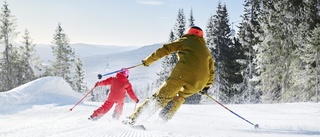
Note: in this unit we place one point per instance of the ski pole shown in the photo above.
(135, 107)
(82, 98)
(99, 77)
(255, 125)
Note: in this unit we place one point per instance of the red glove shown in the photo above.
(137, 100)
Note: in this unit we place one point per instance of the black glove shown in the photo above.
(204, 91)
(99, 76)
(144, 64)
(137, 101)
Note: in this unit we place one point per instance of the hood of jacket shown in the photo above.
(121, 77)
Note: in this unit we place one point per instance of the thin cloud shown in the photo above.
(150, 2)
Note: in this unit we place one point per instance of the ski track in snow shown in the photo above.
(50, 116)
(57, 121)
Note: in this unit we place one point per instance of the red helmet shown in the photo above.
(195, 30)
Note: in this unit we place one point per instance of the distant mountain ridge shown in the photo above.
(102, 59)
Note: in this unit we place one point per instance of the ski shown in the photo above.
(139, 127)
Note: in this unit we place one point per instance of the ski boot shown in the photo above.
(128, 121)
(93, 118)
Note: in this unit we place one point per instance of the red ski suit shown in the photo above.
(119, 86)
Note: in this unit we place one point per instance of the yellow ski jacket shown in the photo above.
(195, 65)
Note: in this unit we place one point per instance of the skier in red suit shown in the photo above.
(119, 86)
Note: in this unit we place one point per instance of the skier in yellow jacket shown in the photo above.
(193, 72)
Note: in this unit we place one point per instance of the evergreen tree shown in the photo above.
(285, 26)
(172, 37)
(10, 58)
(30, 64)
(180, 25)
(238, 65)
(210, 44)
(304, 79)
(191, 19)
(179, 29)
(223, 51)
(310, 78)
(79, 82)
(63, 63)
(249, 32)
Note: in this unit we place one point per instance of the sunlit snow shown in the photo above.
(41, 108)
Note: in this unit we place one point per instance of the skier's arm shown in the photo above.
(131, 93)
(166, 49)
(104, 82)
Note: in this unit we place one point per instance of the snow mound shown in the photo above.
(47, 90)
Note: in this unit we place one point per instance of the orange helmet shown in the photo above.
(195, 30)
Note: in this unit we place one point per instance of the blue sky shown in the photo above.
(112, 22)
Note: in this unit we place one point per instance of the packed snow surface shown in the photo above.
(41, 108)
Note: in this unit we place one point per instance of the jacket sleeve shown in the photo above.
(211, 70)
(166, 49)
(105, 82)
(131, 93)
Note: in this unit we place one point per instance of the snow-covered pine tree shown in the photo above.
(210, 44)
(219, 39)
(285, 26)
(269, 55)
(179, 28)
(191, 19)
(180, 25)
(172, 37)
(64, 57)
(304, 79)
(238, 65)
(30, 64)
(9, 60)
(249, 33)
(309, 79)
(79, 83)
(314, 47)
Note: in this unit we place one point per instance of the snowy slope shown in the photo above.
(41, 109)
(47, 90)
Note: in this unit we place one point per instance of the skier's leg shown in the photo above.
(172, 107)
(160, 99)
(168, 91)
(145, 110)
(117, 111)
(168, 112)
(102, 110)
